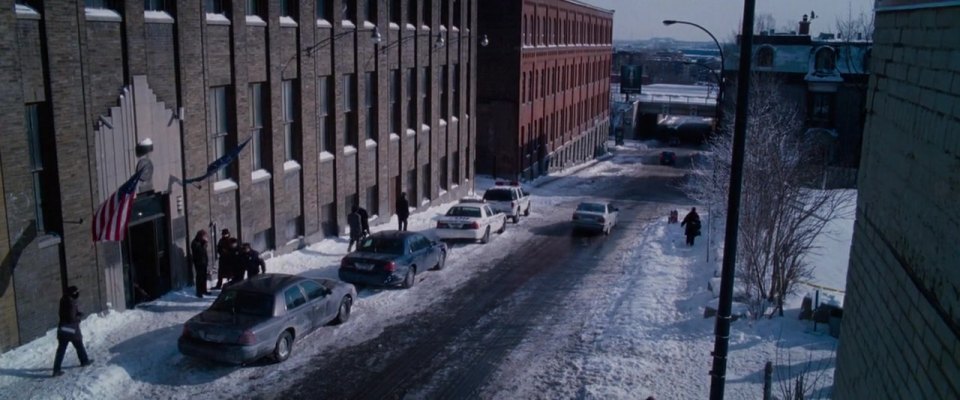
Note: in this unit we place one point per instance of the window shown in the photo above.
(373, 200)
(324, 9)
(444, 167)
(369, 99)
(395, 11)
(347, 11)
(220, 126)
(825, 60)
(456, 167)
(411, 105)
(426, 181)
(523, 31)
(349, 109)
(216, 6)
(313, 289)
(288, 8)
(256, 125)
(424, 94)
(154, 5)
(292, 228)
(469, 99)
(821, 108)
(456, 13)
(444, 98)
(371, 8)
(455, 92)
(43, 151)
(255, 7)
(411, 12)
(324, 111)
(394, 101)
(765, 57)
(294, 297)
(412, 188)
(328, 213)
(427, 12)
(107, 4)
(444, 12)
(290, 137)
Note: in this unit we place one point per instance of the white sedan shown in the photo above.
(595, 216)
(471, 220)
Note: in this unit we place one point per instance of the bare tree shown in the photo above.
(763, 23)
(780, 213)
(855, 27)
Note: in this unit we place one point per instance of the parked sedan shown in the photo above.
(265, 315)
(595, 216)
(471, 220)
(392, 258)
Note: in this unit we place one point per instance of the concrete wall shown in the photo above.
(901, 327)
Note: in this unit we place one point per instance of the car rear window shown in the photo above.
(498, 195)
(591, 207)
(464, 212)
(381, 245)
(243, 302)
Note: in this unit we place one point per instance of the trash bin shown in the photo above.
(836, 315)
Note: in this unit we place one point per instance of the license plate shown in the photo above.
(455, 226)
(211, 337)
(364, 266)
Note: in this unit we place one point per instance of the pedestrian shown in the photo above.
(403, 211)
(364, 221)
(356, 227)
(198, 252)
(68, 331)
(251, 261)
(223, 269)
(692, 223)
(234, 261)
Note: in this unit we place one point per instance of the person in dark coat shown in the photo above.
(692, 223)
(364, 221)
(233, 261)
(354, 221)
(251, 261)
(223, 269)
(198, 250)
(68, 331)
(403, 211)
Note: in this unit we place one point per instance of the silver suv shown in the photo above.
(508, 198)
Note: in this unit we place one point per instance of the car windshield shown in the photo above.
(498, 195)
(591, 207)
(243, 302)
(381, 245)
(464, 212)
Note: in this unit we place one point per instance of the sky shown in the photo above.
(642, 19)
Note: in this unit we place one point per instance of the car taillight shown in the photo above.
(441, 225)
(247, 338)
(390, 266)
(475, 225)
(186, 332)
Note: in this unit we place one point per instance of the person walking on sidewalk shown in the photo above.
(223, 269)
(198, 252)
(692, 223)
(403, 211)
(68, 331)
(356, 227)
(364, 221)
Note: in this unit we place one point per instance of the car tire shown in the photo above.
(526, 213)
(442, 262)
(606, 231)
(284, 346)
(410, 278)
(343, 313)
(486, 236)
(516, 217)
(503, 228)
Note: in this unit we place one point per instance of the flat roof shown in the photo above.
(591, 6)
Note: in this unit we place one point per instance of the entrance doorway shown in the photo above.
(146, 264)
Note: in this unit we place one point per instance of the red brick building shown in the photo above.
(543, 85)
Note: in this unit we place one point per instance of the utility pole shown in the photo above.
(722, 340)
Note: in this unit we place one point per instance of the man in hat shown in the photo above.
(68, 331)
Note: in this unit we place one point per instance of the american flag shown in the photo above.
(110, 221)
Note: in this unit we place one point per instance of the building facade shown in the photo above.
(900, 337)
(338, 102)
(825, 77)
(544, 99)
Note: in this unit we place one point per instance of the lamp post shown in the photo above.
(719, 111)
(721, 343)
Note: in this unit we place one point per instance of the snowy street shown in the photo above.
(539, 312)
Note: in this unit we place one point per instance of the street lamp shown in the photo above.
(719, 111)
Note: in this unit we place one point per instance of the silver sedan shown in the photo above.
(595, 216)
(263, 316)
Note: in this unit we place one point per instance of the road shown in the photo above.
(541, 293)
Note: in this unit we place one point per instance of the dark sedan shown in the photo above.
(392, 258)
(263, 316)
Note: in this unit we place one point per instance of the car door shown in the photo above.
(490, 219)
(297, 313)
(318, 303)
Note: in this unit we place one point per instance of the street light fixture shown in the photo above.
(720, 91)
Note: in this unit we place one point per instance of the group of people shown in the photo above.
(359, 220)
(235, 261)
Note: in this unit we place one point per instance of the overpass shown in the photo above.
(670, 99)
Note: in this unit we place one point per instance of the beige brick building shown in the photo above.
(901, 330)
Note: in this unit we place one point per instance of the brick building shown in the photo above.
(543, 97)
(900, 337)
(825, 76)
(343, 101)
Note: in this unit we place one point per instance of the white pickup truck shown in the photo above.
(508, 198)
